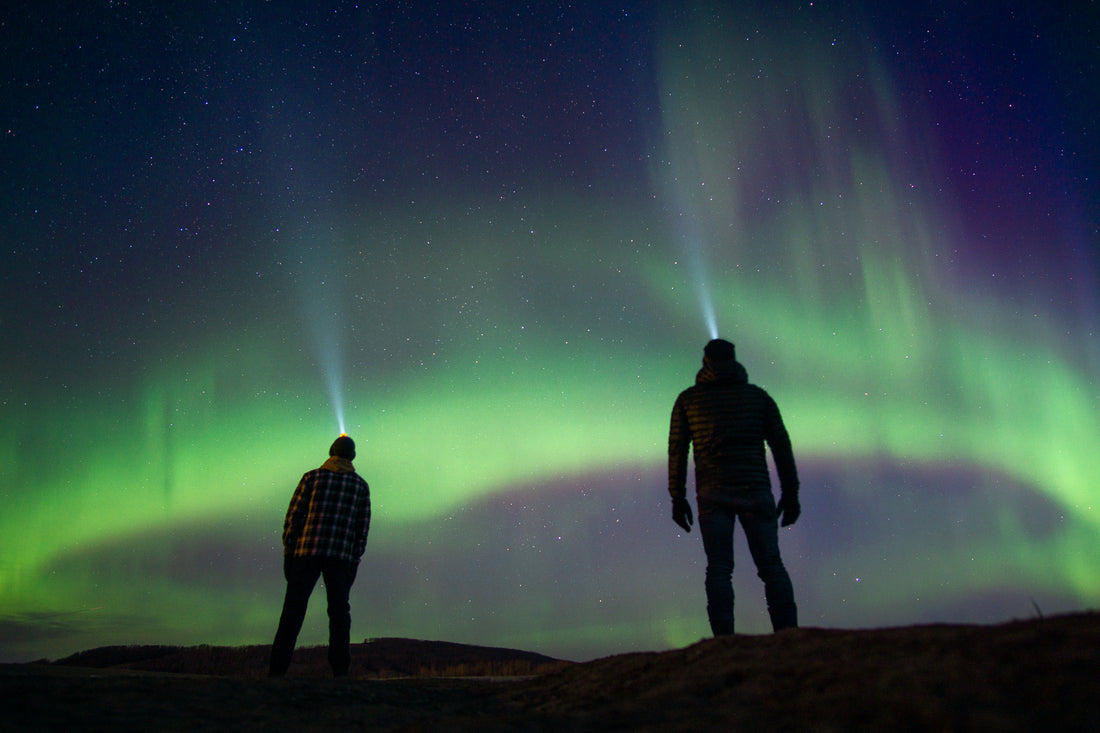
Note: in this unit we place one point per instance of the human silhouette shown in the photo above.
(324, 534)
(726, 422)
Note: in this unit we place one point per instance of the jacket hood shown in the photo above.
(714, 372)
(336, 464)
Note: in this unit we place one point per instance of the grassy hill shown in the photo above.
(1036, 675)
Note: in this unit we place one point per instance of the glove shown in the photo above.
(681, 513)
(788, 509)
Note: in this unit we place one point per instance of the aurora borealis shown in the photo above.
(485, 239)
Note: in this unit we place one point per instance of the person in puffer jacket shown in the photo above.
(727, 421)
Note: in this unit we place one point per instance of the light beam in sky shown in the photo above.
(318, 275)
(327, 338)
(685, 212)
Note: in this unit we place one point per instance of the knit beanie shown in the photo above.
(344, 447)
(719, 350)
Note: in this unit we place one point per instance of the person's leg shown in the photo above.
(716, 527)
(762, 532)
(339, 575)
(301, 575)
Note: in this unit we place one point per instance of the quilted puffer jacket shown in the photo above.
(727, 421)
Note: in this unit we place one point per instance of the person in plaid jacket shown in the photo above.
(324, 534)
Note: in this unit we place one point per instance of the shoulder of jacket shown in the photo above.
(685, 397)
(764, 397)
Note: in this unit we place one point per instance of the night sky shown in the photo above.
(489, 240)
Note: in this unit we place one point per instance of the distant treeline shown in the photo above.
(375, 658)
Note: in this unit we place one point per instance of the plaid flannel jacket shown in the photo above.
(329, 515)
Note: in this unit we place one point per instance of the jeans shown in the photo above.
(301, 576)
(761, 528)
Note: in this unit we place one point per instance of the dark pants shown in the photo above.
(762, 532)
(301, 576)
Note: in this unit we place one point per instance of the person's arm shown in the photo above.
(362, 522)
(679, 442)
(779, 441)
(296, 515)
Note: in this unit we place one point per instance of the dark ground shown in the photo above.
(1042, 674)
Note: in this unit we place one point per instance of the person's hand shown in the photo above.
(788, 509)
(681, 513)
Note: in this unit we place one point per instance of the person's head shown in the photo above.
(719, 351)
(343, 447)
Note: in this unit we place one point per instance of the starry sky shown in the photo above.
(489, 240)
